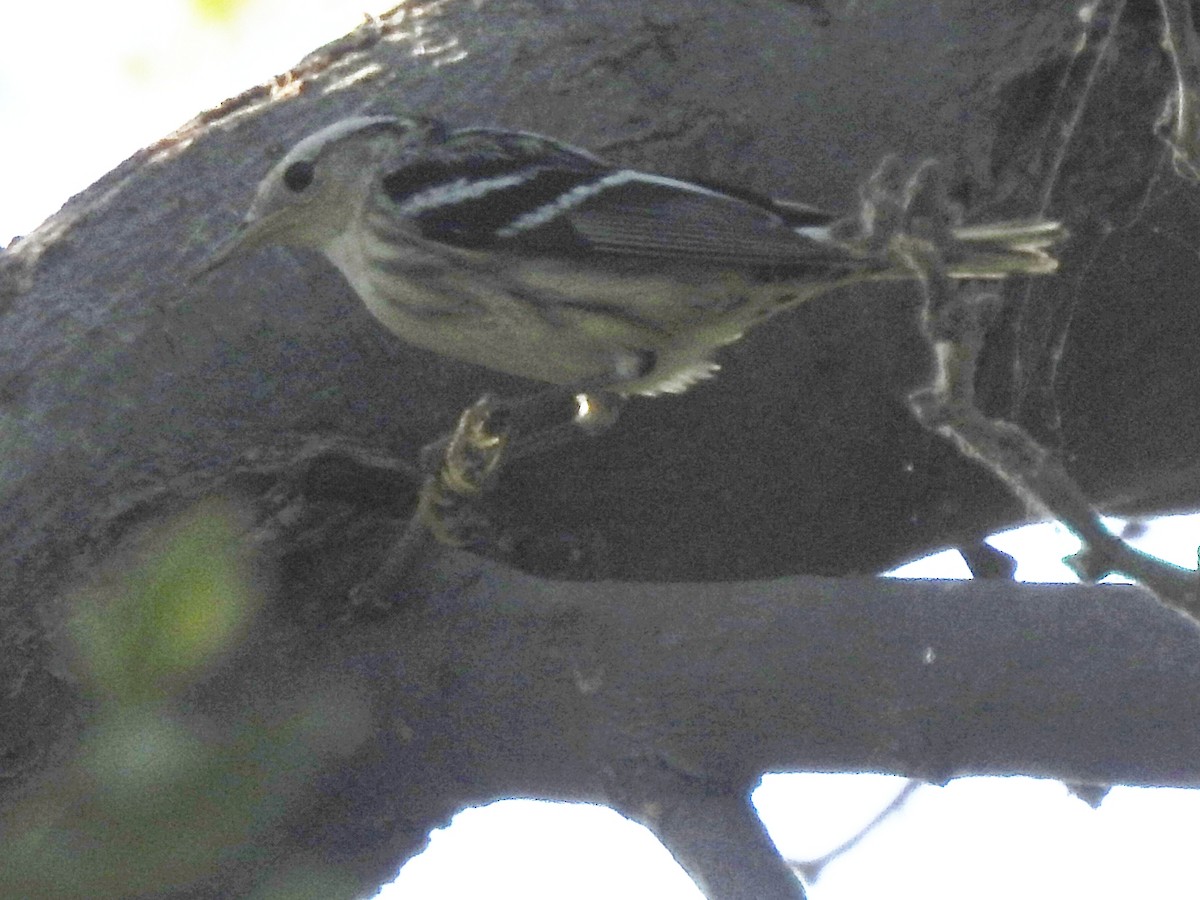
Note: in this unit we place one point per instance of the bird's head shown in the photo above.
(311, 195)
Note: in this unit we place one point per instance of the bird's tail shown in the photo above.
(999, 249)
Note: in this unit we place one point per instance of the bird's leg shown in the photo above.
(465, 465)
(538, 423)
(548, 420)
(462, 467)
(459, 468)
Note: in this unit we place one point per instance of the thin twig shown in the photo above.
(810, 870)
(1183, 107)
(952, 322)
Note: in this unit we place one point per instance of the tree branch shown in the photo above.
(348, 733)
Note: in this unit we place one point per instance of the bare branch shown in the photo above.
(811, 869)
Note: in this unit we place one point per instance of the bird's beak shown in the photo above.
(219, 255)
(248, 236)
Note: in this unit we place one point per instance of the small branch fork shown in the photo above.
(1180, 120)
(810, 870)
(711, 829)
(953, 322)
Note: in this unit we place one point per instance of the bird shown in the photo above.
(532, 257)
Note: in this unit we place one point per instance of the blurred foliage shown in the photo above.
(156, 797)
(218, 11)
(175, 614)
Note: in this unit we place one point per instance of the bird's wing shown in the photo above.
(630, 213)
(530, 194)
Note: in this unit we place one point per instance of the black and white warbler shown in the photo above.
(528, 256)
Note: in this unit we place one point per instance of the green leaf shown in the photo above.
(186, 603)
(218, 11)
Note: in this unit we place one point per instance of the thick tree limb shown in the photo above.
(336, 736)
(487, 683)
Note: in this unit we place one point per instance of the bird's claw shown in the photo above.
(466, 464)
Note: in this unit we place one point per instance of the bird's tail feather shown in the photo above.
(997, 249)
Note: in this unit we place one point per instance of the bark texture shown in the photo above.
(630, 650)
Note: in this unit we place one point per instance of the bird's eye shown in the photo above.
(298, 176)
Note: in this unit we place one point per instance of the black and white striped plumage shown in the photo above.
(528, 256)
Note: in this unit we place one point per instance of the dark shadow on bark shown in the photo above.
(646, 640)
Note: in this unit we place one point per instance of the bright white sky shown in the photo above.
(86, 84)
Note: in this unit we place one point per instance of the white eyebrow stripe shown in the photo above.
(452, 192)
(578, 195)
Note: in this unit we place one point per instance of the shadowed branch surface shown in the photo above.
(652, 639)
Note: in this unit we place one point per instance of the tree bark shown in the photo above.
(642, 658)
